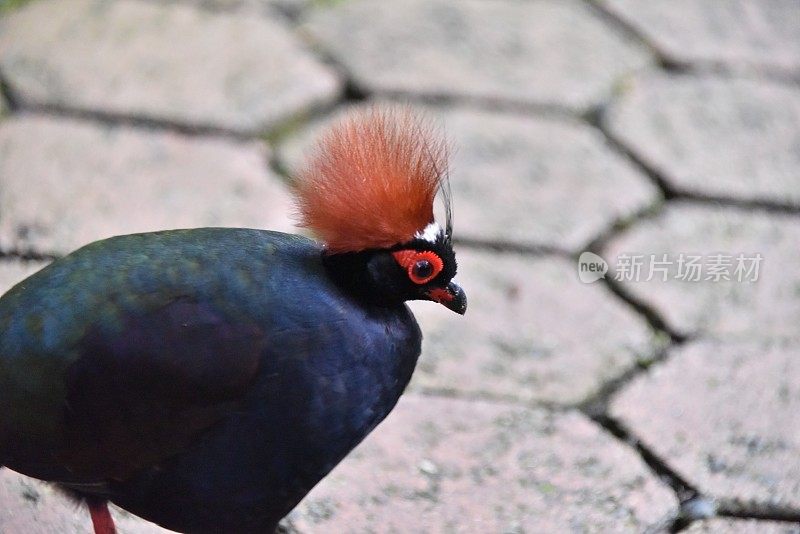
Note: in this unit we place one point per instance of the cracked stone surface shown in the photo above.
(67, 183)
(725, 416)
(725, 137)
(738, 34)
(516, 470)
(762, 309)
(546, 53)
(223, 70)
(533, 331)
(742, 526)
(32, 507)
(512, 176)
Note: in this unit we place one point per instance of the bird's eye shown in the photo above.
(422, 267)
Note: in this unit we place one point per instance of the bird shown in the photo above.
(207, 379)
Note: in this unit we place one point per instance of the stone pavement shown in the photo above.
(663, 400)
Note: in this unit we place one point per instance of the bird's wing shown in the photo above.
(147, 385)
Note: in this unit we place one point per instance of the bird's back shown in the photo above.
(186, 370)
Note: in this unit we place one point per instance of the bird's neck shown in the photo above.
(363, 275)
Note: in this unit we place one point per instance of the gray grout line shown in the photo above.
(161, 126)
(694, 505)
(116, 120)
(701, 67)
(292, 17)
(28, 255)
(113, 120)
(266, 9)
(762, 205)
(719, 69)
(483, 103)
(597, 404)
(624, 29)
(286, 128)
(597, 245)
(672, 193)
(665, 524)
(686, 493)
(595, 119)
(621, 225)
(684, 490)
(278, 168)
(287, 526)
(755, 511)
(7, 94)
(597, 410)
(353, 91)
(648, 312)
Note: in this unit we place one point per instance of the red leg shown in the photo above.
(101, 518)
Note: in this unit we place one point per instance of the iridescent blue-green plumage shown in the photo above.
(203, 379)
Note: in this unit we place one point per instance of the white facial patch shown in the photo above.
(429, 233)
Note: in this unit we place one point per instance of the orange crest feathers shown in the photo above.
(372, 181)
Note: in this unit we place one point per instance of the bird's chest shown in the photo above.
(323, 394)
(339, 387)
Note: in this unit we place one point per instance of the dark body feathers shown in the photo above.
(185, 376)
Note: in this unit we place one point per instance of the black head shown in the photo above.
(420, 269)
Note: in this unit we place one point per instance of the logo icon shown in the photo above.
(591, 267)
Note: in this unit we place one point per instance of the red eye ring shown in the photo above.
(409, 260)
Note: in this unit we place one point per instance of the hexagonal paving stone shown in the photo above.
(533, 331)
(739, 34)
(31, 507)
(723, 137)
(445, 465)
(742, 526)
(13, 271)
(731, 309)
(66, 183)
(512, 177)
(725, 416)
(169, 62)
(547, 53)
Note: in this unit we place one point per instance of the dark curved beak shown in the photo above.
(452, 297)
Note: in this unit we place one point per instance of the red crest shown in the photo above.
(372, 180)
